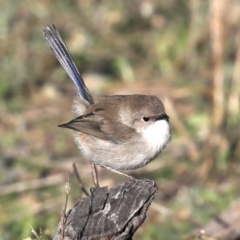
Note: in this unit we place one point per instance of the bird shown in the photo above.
(117, 132)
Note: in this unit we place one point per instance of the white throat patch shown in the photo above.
(157, 135)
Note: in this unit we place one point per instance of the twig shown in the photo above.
(80, 183)
(35, 233)
(217, 39)
(234, 96)
(31, 184)
(64, 215)
(175, 119)
(216, 143)
(95, 177)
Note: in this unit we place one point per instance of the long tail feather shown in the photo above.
(64, 57)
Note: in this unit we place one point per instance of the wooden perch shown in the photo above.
(108, 214)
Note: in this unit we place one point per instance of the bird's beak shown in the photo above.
(162, 117)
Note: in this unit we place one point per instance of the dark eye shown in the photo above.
(146, 119)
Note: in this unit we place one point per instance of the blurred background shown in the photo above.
(185, 52)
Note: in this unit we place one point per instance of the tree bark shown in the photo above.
(108, 214)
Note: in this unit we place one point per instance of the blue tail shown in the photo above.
(64, 57)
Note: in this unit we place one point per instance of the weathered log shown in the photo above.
(108, 214)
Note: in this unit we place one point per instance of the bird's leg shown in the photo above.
(121, 173)
(95, 177)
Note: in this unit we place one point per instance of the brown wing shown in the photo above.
(100, 127)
